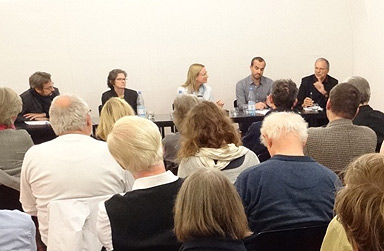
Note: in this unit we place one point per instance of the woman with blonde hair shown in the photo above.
(13, 146)
(359, 208)
(197, 77)
(210, 141)
(113, 110)
(182, 104)
(208, 213)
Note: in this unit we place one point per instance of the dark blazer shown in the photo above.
(35, 103)
(307, 87)
(129, 95)
(373, 119)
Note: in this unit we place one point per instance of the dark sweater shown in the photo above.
(213, 244)
(287, 191)
(129, 95)
(143, 219)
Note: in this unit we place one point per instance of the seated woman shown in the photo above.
(221, 225)
(210, 141)
(13, 146)
(113, 110)
(359, 207)
(196, 78)
(117, 82)
(171, 142)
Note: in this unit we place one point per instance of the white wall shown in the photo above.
(79, 42)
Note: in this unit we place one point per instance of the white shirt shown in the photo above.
(204, 92)
(104, 226)
(70, 166)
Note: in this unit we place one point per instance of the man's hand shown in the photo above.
(308, 102)
(35, 116)
(261, 106)
(320, 87)
(220, 103)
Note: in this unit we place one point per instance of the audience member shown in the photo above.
(13, 145)
(17, 231)
(74, 165)
(290, 189)
(209, 214)
(316, 87)
(282, 98)
(141, 219)
(113, 109)
(359, 207)
(38, 98)
(262, 85)
(366, 116)
(213, 143)
(335, 145)
(117, 82)
(171, 142)
(196, 78)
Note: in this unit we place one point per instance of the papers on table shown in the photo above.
(37, 122)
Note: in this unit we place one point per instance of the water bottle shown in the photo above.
(251, 102)
(140, 105)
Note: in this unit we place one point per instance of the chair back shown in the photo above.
(72, 224)
(294, 239)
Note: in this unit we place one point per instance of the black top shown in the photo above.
(213, 244)
(373, 119)
(33, 102)
(143, 219)
(129, 95)
(307, 87)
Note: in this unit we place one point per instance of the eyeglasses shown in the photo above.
(49, 87)
(121, 79)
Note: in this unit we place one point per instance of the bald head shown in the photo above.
(70, 114)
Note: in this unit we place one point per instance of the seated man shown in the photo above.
(17, 231)
(282, 98)
(367, 116)
(262, 85)
(73, 165)
(38, 99)
(316, 87)
(335, 145)
(290, 189)
(141, 219)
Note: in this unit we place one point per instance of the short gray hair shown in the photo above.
(283, 122)
(135, 143)
(10, 105)
(362, 85)
(182, 104)
(68, 113)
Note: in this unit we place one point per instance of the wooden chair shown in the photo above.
(294, 239)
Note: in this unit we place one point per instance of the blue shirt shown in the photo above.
(17, 231)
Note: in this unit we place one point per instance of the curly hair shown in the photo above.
(206, 125)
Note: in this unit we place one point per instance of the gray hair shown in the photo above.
(325, 61)
(135, 143)
(10, 105)
(283, 122)
(362, 85)
(68, 113)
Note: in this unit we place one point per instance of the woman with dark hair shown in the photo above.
(117, 82)
(210, 141)
(208, 213)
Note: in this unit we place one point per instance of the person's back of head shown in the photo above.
(136, 144)
(182, 105)
(284, 94)
(362, 85)
(70, 114)
(360, 204)
(206, 125)
(208, 206)
(10, 106)
(344, 100)
(284, 132)
(114, 109)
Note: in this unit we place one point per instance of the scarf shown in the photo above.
(4, 127)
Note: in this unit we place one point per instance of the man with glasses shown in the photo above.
(38, 98)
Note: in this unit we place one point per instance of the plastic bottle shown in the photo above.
(251, 102)
(140, 105)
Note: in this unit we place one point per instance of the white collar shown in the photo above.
(155, 180)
